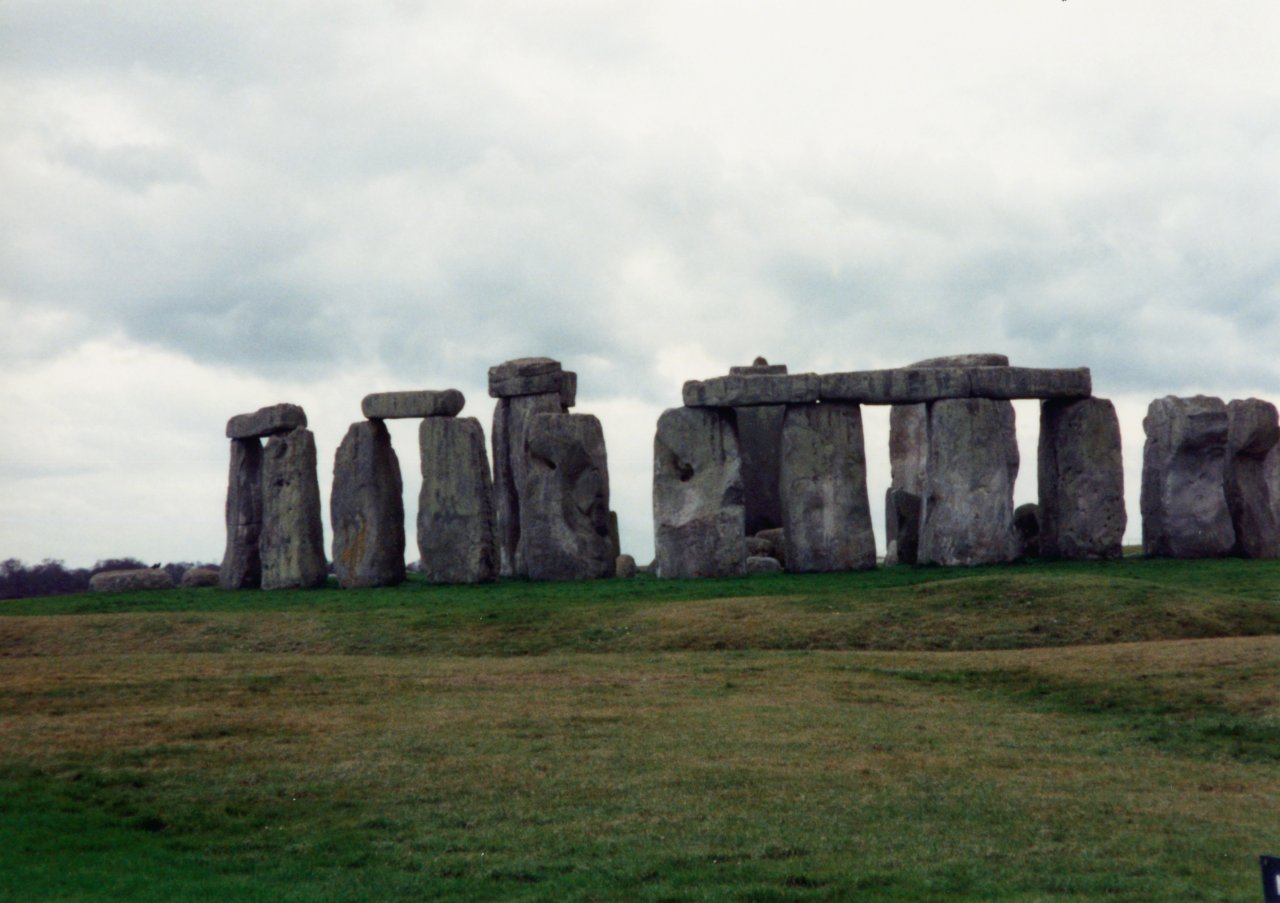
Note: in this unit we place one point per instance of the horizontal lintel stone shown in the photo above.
(415, 404)
(759, 370)
(525, 376)
(269, 421)
(902, 385)
(735, 391)
(1030, 382)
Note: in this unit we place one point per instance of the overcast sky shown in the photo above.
(214, 206)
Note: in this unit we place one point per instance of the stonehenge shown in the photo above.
(291, 544)
(699, 519)
(366, 508)
(274, 534)
(1184, 501)
(1081, 482)
(826, 518)
(565, 524)
(760, 470)
(457, 537)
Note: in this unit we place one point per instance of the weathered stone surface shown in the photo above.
(1271, 474)
(241, 562)
(1184, 504)
(759, 431)
(910, 385)
(757, 546)
(457, 538)
(964, 360)
(198, 577)
(967, 514)
(511, 418)
(292, 540)
(898, 386)
(1027, 382)
(776, 537)
(568, 389)
(270, 421)
(739, 391)
(763, 564)
(533, 376)
(823, 482)
(1081, 480)
(128, 581)
(698, 513)
(908, 447)
(1252, 433)
(615, 539)
(1026, 525)
(564, 509)
(407, 405)
(624, 567)
(902, 526)
(366, 509)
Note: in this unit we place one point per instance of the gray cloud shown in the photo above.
(416, 191)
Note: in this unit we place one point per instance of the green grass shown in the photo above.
(1041, 732)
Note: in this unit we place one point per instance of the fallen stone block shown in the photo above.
(130, 580)
(198, 576)
(762, 564)
(408, 405)
(264, 422)
(625, 567)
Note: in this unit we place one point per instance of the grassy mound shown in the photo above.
(1035, 732)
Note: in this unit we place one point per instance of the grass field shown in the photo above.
(1033, 732)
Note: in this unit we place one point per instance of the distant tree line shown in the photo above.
(51, 578)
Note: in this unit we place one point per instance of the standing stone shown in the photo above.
(1081, 480)
(698, 514)
(456, 535)
(759, 430)
(366, 509)
(1253, 431)
(825, 512)
(241, 563)
(909, 458)
(760, 444)
(902, 526)
(968, 499)
(292, 542)
(564, 508)
(1184, 503)
(511, 418)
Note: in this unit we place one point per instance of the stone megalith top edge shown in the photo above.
(268, 421)
(963, 360)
